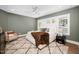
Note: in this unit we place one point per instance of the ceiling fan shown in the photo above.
(35, 10)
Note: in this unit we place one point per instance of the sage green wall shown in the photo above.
(17, 23)
(74, 21)
(21, 24)
(3, 20)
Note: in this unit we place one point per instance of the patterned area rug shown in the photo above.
(23, 46)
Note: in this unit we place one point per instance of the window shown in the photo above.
(61, 23)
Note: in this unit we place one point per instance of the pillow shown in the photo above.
(44, 29)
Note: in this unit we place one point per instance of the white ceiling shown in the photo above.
(27, 10)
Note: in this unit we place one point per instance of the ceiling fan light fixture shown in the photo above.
(35, 10)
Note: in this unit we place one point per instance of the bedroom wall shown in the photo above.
(74, 22)
(17, 23)
(21, 24)
(3, 20)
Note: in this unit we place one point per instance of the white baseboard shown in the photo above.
(73, 42)
(22, 35)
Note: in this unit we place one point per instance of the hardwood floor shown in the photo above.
(73, 49)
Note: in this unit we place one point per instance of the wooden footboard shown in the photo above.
(41, 38)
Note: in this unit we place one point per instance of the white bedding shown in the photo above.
(29, 37)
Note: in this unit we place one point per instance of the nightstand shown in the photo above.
(60, 39)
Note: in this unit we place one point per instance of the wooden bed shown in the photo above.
(41, 38)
